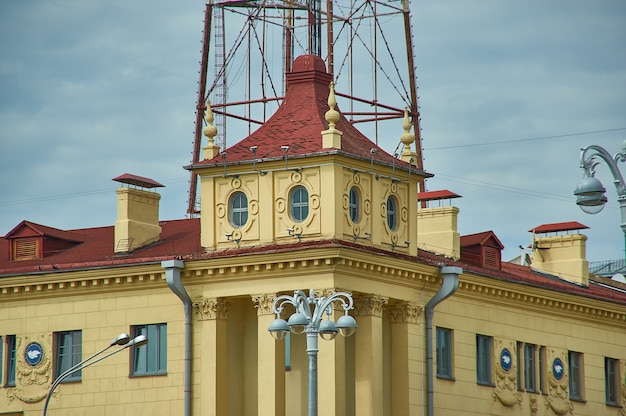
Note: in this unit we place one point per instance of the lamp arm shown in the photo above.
(83, 364)
(589, 163)
(326, 304)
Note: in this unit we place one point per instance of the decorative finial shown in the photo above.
(407, 138)
(210, 130)
(332, 115)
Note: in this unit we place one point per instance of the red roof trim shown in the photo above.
(137, 180)
(440, 194)
(559, 226)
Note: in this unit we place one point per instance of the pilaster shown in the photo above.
(368, 354)
(212, 314)
(405, 382)
(270, 360)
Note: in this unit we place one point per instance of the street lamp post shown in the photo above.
(308, 318)
(590, 192)
(122, 340)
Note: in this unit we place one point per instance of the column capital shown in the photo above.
(263, 303)
(211, 308)
(369, 305)
(405, 312)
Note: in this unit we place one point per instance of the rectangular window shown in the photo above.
(444, 352)
(530, 365)
(150, 359)
(576, 375)
(484, 351)
(68, 353)
(611, 380)
(10, 376)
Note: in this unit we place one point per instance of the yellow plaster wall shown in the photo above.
(555, 326)
(437, 231)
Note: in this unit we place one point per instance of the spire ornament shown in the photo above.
(331, 138)
(407, 139)
(332, 115)
(211, 150)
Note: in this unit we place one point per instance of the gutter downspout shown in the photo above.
(172, 277)
(448, 287)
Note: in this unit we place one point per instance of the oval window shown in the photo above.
(299, 203)
(392, 213)
(353, 205)
(238, 209)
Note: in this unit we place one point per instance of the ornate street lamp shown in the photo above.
(122, 340)
(308, 317)
(589, 193)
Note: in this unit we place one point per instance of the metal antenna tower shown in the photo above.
(367, 46)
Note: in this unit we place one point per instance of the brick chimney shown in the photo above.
(137, 222)
(437, 226)
(560, 250)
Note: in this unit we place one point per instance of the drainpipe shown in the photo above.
(450, 284)
(172, 277)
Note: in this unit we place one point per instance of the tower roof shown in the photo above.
(299, 121)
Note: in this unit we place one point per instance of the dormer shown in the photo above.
(29, 241)
(560, 249)
(482, 249)
(307, 174)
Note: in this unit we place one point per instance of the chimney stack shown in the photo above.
(563, 255)
(437, 226)
(137, 222)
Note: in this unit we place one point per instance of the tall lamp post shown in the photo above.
(122, 340)
(308, 318)
(590, 192)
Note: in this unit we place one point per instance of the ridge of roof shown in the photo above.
(44, 230)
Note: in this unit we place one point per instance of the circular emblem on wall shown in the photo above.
(557, 368)
(33, 354)
(505, 359)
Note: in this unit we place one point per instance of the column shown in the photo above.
(369, 355)
(213, 312)
(406, 357)
(270, 361)
(332, 369)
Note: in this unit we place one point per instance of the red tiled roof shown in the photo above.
(558, 226)
(178, 238)
(299, 121)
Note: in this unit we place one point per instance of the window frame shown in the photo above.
(576, 371)
(611, 381)
(484, 360)
(74, 344)
(238, 213)
(444, 341)
(530, 368)
(11, 363)
(157, 347)
(299, 210)
(392, 213)
(354, 204)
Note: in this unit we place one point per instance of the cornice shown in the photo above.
(538, 299)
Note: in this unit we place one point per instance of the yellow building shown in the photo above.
(444, 326)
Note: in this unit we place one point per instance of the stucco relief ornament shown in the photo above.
(506, 377)
(33, 371)
(558, 394)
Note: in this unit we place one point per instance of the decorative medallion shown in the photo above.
(505, 359)
(557, 368)
(33, 353)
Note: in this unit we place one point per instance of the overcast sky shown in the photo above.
(509, 93)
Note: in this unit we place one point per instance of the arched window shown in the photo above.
(238, 209)
(299, 203)
(392, 213)
(354, 204)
